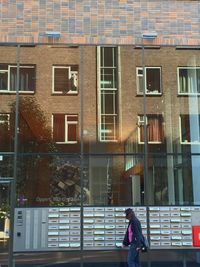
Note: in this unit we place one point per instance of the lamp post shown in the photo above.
(145, 36)
(149, 36)
(11, 262)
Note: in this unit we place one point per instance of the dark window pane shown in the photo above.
(153, 80)
(3, 80)
(66, 79)
(59, 127)
(61, 80)
(108, 78)
(72, 135)
(26, 79)
(108, 56)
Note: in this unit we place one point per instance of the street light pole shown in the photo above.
(11, 262)
(148, 36)
(145, 36)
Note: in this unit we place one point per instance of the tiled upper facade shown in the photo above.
(177, 22)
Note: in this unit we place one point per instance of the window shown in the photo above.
(65, 79)
(8, 78)
(4, 127)
(189, 128)
(152, 80)
(188, 80)
(65, 128)
(108, 94)
(155, 131)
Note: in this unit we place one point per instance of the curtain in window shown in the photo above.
(155, 132)
(154, 129)
(26, 79)
(189, 80)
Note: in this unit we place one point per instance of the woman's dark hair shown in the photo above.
(128, 211)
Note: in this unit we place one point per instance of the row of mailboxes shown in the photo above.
(44, 229)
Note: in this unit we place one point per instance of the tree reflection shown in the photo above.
(34, 138)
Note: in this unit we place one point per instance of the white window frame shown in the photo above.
(178, 81)
(141, 75)
(8, 81)
(66, 126)
(141, 123)
(70, 73)
(67, 123)
(180, 134)
(101, 131)
(104, 131)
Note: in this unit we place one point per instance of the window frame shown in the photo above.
(106, 135)
(8, 70)
(140, 123)
(180, 131)
(178, 80)
(66, 128)
(69, 73)
(141, 75)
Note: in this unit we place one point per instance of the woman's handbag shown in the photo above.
(145, 243)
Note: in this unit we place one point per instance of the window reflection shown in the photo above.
(8, 78)
(107, 131)
(189, 80)
(190, 127)
(65, 128)
(152, 80)
(108, 101)
(65, 79)
(155, 131)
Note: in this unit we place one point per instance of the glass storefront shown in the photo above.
(102, 126)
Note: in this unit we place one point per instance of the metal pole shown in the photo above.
(146, 195)
(146, 188)
(82, 149)
(11, 262)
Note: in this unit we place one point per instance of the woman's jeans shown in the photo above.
(133, 256)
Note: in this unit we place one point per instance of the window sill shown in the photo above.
(108, 141)
(188, 94)
(149, 94)
(190, 143)
(20, 92)
(67, 143)
(151, 143)
(64, 94)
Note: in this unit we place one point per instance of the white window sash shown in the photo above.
(71, 74)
